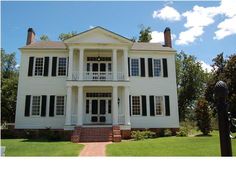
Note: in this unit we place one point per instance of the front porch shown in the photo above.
(97, 106)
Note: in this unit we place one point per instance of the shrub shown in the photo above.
(140, 135)
(183, 131)
(167, 132)
(203, 116)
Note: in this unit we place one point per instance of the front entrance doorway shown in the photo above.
(98, 108)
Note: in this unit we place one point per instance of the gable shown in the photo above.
(98, 35)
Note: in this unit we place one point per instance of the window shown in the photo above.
(157, 67)
(109, 106)
(158, 105)
(62, 67)
(135, 105)
(38, 68)
(135, 67)
(60, 105)
(35, 105)
(87, 106)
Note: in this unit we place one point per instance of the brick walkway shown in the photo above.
(94, 149)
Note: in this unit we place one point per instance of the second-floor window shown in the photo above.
(62, 65)
(38, 68)
(156, 67)
(135, 67)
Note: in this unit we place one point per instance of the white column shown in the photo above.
(125, 64)
(115, 105)
(68, 106)
(126, 105)
(80, 106)
(70, 71)
(81, 63)
(114, 64)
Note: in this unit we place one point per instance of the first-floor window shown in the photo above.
(159, 105)
(38, 68)
(36, 105)
(60, 105)
(62, 67)
(135, 105)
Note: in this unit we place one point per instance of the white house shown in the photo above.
(97, 83)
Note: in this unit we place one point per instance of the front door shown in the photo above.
(98, 110)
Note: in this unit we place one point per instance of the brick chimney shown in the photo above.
(30, 36)
(167, 37)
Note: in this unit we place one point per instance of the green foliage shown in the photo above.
(167, 132)
(9, 83)
(225, 70)
(44, 37)
(191, 79)
(183, 132)
(145, 34)
(140, 135)
(64, 36)
(186, 127)
(203, 116)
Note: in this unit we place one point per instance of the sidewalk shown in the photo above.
(94, 149)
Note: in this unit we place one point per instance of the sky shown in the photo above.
(200, 28)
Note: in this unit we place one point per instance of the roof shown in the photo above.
(46, 45)
(145, 46)
(101, 28)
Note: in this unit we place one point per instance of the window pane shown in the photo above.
(87, 106)
(157, 67)
(159, 105)
(135, 105)
(62, 67)
(60, 105)
(36, 106)
(38, 71)
(134, 67)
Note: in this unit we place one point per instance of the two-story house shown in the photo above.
(97, 83)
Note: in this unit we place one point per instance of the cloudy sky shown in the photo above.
(200, 28)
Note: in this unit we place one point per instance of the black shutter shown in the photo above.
(46, 65)
(43, 105)
(165, 69)
(167, 105)
(51, 107)
(130, 105)
(142, 63)
(150, 71)
(27, 105)
(129, 66)
(31, 65)
(144, 106)
(152, 110)
(54, 66)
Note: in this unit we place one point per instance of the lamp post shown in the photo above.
(221, 93)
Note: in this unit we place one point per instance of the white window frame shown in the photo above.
(131, 74)
(40, 103)
(140, 106)
(35, 66)
(58, 58)
(163, 106)
(153, 68)
(55, 106)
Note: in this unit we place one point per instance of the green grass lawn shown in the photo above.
(170, 146)
(24, 147)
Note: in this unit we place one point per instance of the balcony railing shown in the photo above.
(97, 76)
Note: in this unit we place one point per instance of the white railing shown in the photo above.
(97, 76)
(121, 119)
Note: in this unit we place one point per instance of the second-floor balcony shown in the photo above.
(98, 76)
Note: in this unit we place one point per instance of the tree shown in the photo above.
(224, 70)
(9, 82)
(64, 36)
(191, 79)
(145, 34)
(203, 117)
(44, 37)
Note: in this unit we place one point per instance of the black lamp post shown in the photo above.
(221, 93)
